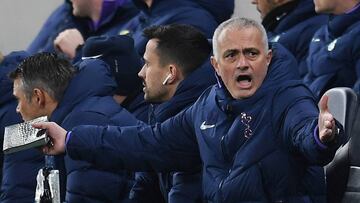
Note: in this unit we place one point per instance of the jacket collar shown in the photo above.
(338, 24)
(186, 93)
(273, 18)
(82, 86)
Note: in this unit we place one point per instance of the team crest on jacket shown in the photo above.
(246, 119)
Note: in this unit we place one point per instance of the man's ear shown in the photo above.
(39, 97)
(174, 74)
(269, 57)
(215, 64)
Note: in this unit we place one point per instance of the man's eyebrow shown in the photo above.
(230, 51)
(251, 49)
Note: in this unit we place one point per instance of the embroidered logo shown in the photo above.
(203, 126)
(331, 46)
(275, 39)
(124, 32)
(246, 119)
(315, 40)
(91, 57)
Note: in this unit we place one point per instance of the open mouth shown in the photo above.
(244, 81)
(243, 78)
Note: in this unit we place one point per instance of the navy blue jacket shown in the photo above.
(88, 102)
(164, 12)
(137, 106)
(18, 168)
(334, 55)
(251, 150)
(293, 25)
(177, 186)
(113, 18)
(59, 20)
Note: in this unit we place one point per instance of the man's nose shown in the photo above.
(141, 73)
(242, 62)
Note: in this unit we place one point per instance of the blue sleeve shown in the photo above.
(163, 147)
(299, 121)
(59, 20)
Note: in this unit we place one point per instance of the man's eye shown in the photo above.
(230, 55)
(252, 54)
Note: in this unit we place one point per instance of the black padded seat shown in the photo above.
(341, 176)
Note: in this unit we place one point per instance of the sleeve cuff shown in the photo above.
(67, 137)
(317, 140)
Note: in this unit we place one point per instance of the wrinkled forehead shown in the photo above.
(240, 38)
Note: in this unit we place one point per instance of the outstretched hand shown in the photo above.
(57, 136)
(326, 123)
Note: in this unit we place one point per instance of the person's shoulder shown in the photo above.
(354, 30)
(89, 64)
(104, 105)
(207, 98)
(283, 64)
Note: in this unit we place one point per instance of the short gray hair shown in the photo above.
(237, 23)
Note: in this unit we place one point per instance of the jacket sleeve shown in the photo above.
(298, 124)
(163, 147)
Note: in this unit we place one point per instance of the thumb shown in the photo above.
(323, 104)
(41, 125)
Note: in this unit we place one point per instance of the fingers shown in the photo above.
(45, 125)
(41, 125)
(326, 121)
(329, 123)
(45, 150)
(57, 136)
(327, 135)
(57, 44)
(327, 130)
(67, 42)
(48, 151)
(323, 104)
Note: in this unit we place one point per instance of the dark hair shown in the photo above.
(183, 45)
(46, 71)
